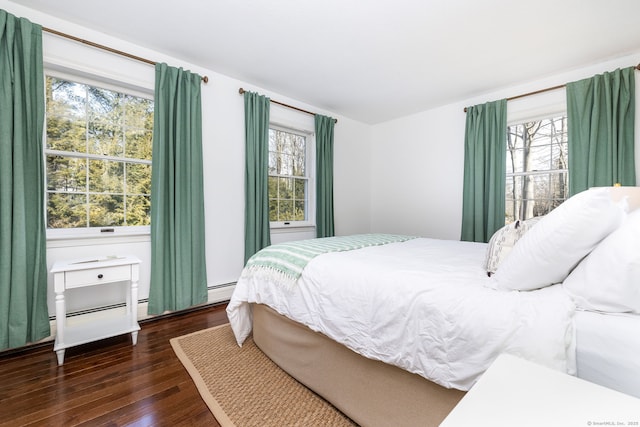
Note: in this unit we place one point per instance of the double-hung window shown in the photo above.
(537, 167)
(98, 156)
(290, 177)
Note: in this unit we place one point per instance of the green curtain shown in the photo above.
(324, 176)
(23, 267)
(601, 114)
(178, 262)
(256, 220)
(484, 171)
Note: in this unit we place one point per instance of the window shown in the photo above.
(289, 177)
(98, 156)
(537, 179)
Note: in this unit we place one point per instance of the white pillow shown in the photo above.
(609, 278)
(550, 250)
(503, 241)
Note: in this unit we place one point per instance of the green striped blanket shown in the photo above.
(283, 263)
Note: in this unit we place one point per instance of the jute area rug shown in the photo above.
(244, 388)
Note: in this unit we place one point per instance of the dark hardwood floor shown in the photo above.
(108, 382)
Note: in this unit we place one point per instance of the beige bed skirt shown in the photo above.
(370, 392)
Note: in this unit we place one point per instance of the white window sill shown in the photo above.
(280, 228)
(57, 239)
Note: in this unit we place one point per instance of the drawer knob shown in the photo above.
(100, 276)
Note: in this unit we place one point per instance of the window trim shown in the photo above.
(310, 168)
(103, 83)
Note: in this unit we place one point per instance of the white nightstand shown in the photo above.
(516, 392)
(83, 273)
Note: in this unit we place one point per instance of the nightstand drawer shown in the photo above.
(94, 276)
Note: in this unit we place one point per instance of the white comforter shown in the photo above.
(421, 305)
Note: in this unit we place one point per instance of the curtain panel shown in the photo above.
(178, 261)
(601, 115)
(483, 196)
(23, 268)
(324, 176)
(257, 234)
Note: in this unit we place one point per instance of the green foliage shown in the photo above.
(85, 123)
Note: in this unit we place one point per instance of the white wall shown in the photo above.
(223, 152)
(417, 161)
(403, 176)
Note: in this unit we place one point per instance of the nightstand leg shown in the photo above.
(60, 354)
(134, 337)
(61, 320)
(133, 306)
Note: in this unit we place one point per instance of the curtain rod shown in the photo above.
(241, 91)
(107, 48)
(637, 67)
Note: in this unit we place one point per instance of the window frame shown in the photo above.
(519, 122)
(309, 175)
(102, 83)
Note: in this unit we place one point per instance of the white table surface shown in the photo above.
(516, 392)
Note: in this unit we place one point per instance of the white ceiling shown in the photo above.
(375, 60)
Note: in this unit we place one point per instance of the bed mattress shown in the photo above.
(607, 347)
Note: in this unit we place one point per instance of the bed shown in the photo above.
(394, 329)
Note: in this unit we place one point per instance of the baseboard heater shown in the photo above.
(145, 301)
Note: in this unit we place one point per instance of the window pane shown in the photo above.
(515, 137)
(537, 133)
(105, 122)
(300, 189)
(298, 152)
(66, 134)
(513, 188)
(105, 138)
(106, 210)
(526, 190)
(273, 210)
(287, 139)
(509, 211)
(66, 115)
(285, 210)
(138, 144)
(515, 160)
(285, 188)
(138, 113)
(66, 174)
(273, 187)
(138, 210)
(560, 156)
(273, 163)
(284, 164)
(106, 176)
(559, 186)
(539, 158)
(138, 124)
(66, 99)
(65, 210)
(272, 140)
(138, 178)
(299, 210)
